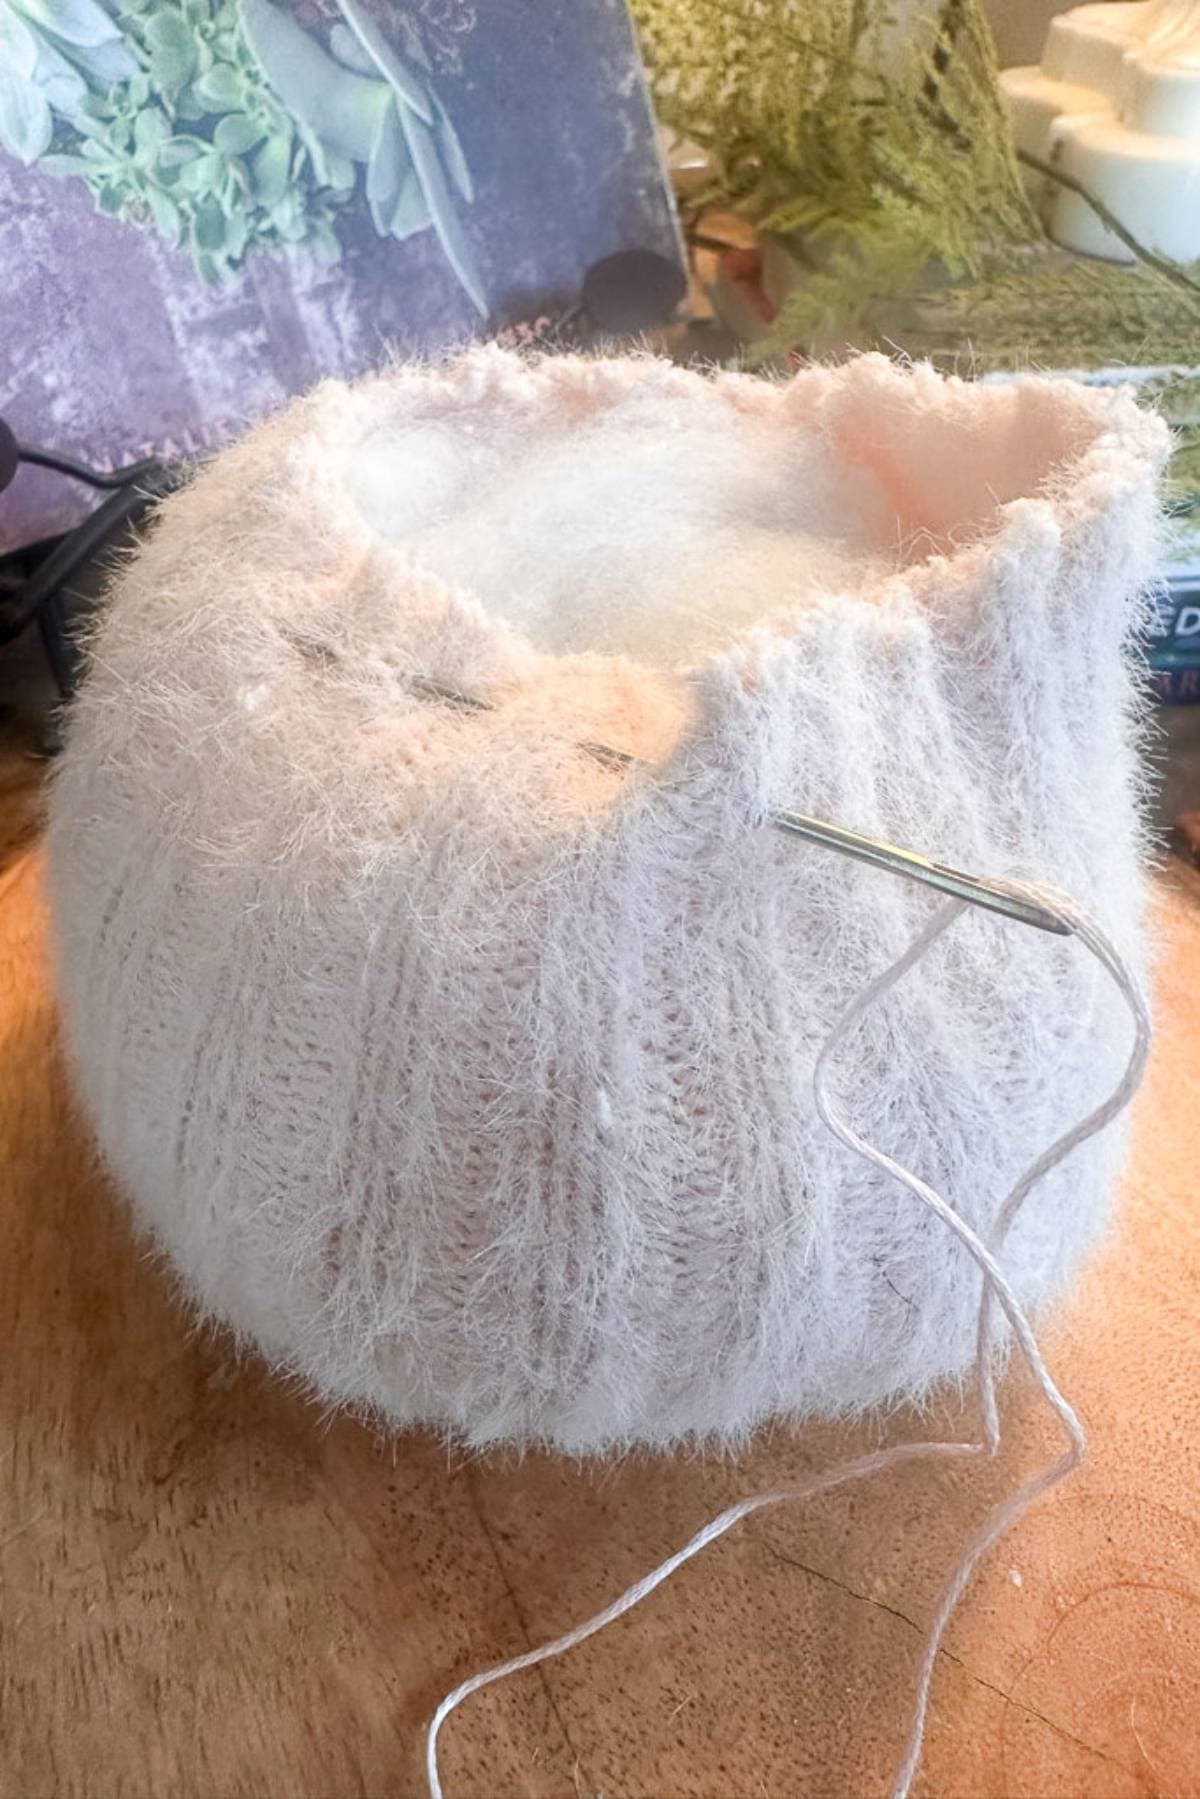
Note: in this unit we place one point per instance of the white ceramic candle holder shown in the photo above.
(1115, 104)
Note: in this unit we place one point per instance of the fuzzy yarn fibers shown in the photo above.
(469, 1075)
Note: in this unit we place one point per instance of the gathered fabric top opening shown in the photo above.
(662, 526)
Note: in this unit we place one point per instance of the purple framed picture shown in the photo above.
(207, 205)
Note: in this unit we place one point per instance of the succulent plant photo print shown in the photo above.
(205, 205)
(227, 126)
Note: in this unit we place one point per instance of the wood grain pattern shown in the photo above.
(212, 1590)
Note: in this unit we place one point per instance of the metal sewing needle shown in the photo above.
(976, 890)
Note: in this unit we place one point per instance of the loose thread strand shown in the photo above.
(996, 1292)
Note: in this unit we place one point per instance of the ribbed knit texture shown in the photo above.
(470, 1077)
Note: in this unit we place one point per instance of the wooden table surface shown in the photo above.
(209, 1588)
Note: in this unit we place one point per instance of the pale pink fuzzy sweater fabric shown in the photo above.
(470, 1078)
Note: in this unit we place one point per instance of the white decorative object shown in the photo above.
(471, 1076)
(1115, 105)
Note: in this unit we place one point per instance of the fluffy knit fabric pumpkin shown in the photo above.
(469, 1075)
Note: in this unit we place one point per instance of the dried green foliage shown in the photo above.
(883, 149)
(1046, 308)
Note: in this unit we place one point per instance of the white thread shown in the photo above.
(996, 1286)
(996, 1290)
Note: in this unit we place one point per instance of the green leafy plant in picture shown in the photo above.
(364, 103)
(227, 127)
(52, 53)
